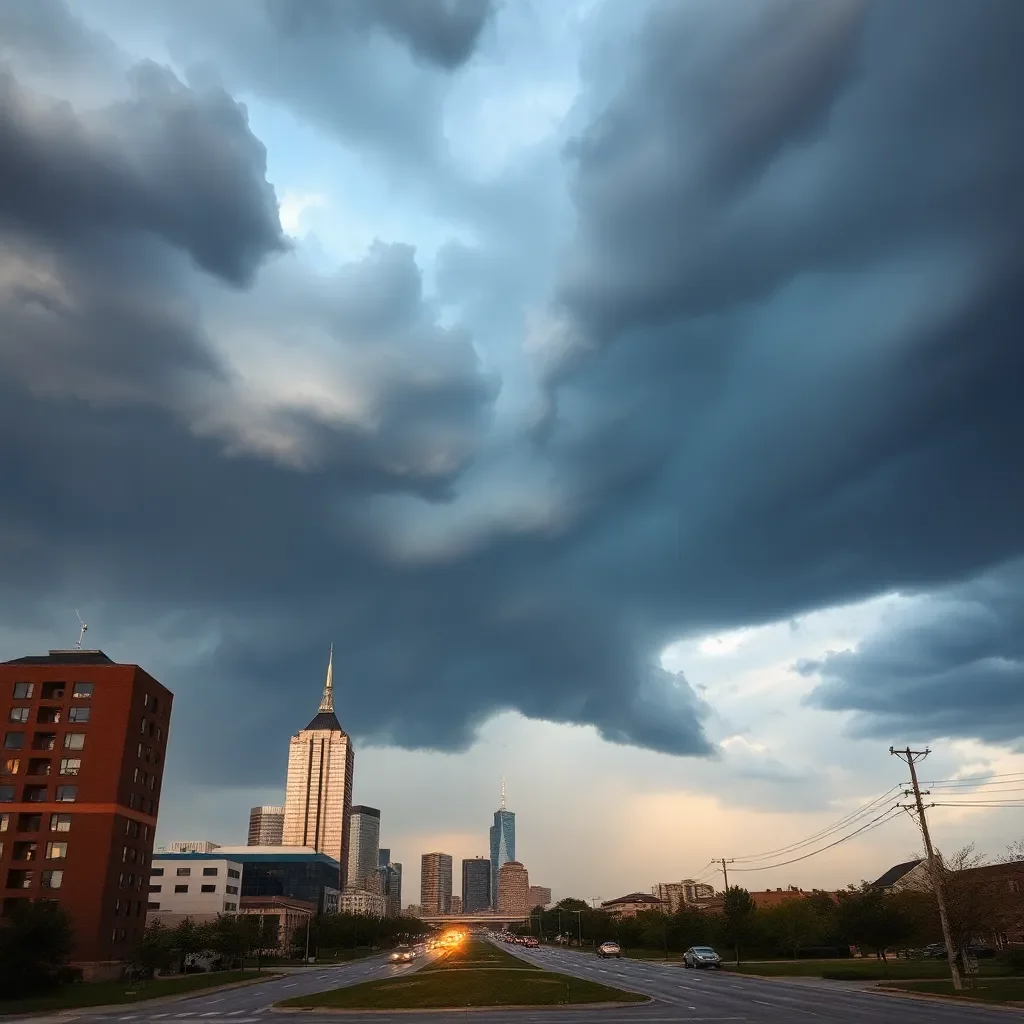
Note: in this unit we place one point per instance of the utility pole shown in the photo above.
(725, 872)
(912, 757)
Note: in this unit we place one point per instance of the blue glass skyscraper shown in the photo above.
(503, 843)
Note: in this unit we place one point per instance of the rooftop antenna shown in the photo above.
(503, 792)
(81, 635)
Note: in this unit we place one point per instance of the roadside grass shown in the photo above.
(993, 990)
(475, 974)
(103, 993)
(859, 969)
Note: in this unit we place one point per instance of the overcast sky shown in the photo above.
(629, 390)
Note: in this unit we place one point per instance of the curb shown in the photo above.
(466, 1009)
(935, 997)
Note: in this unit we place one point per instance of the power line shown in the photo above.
(887, 815)
(837, 826)
(971, 779)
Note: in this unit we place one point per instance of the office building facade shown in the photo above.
(456, 904)
(436, 883)
(362, 902)
(266, 826)
(318, 795)
(503, 846)
(513, 889)
(209, 886)
(476, 885)
(81, 771)
(267, 871)
(540, 896)
(363, 848)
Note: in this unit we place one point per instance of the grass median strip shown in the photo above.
(111, 993)
(475, 974)
(992, 990)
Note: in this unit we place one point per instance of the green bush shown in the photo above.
(1012, 960)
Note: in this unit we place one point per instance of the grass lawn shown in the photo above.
(991, 990)
(102, 993)
(859, 969)
(476, 974)
(478, 955)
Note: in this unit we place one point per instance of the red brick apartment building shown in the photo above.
(82, 742)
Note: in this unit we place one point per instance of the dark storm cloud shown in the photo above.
(169, 162)
(444, 32)
(952, 665)
(756, 142)
(796, 316)
(374, 72)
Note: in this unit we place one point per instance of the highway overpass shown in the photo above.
(495, 919)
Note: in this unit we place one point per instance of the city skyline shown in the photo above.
(636, 420)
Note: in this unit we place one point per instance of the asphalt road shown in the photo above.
(680, 996)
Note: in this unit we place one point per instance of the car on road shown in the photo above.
(531, 942)
(402, 955)
(607, 949)
(702, 957)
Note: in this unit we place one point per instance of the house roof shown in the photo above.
(634, 897)
(895, 873)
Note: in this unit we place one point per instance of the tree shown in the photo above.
(155, 950)
(35, 947)
(189, 938)
(795, 923)
(738, 911)
(974, 898)
(874, 919)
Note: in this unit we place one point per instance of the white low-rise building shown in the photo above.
(198, 886)
(362, 901)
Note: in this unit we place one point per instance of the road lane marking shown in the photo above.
(290, 984)
(236, 1013)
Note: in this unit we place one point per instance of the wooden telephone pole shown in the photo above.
(912, 757)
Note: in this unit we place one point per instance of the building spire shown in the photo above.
(503, 792)
(327, 700)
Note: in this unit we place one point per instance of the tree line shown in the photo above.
(815, 924)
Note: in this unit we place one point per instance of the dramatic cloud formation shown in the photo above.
(776, 363)
(953, 665)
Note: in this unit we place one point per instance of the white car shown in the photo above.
(702, 956)
(607, 949)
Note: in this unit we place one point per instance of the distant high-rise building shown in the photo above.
(436, 883)
(503, 844)
(456, 904)
(513, 889)
(318, 798)
(383, 857)
(266, 826)
(540, 896)
(476, 885)
(363, 848)
(394, 893)
(80, 782)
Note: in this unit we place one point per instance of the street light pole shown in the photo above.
(309, 917)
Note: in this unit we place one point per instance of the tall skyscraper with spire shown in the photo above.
(503, 843)
(318, 794)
